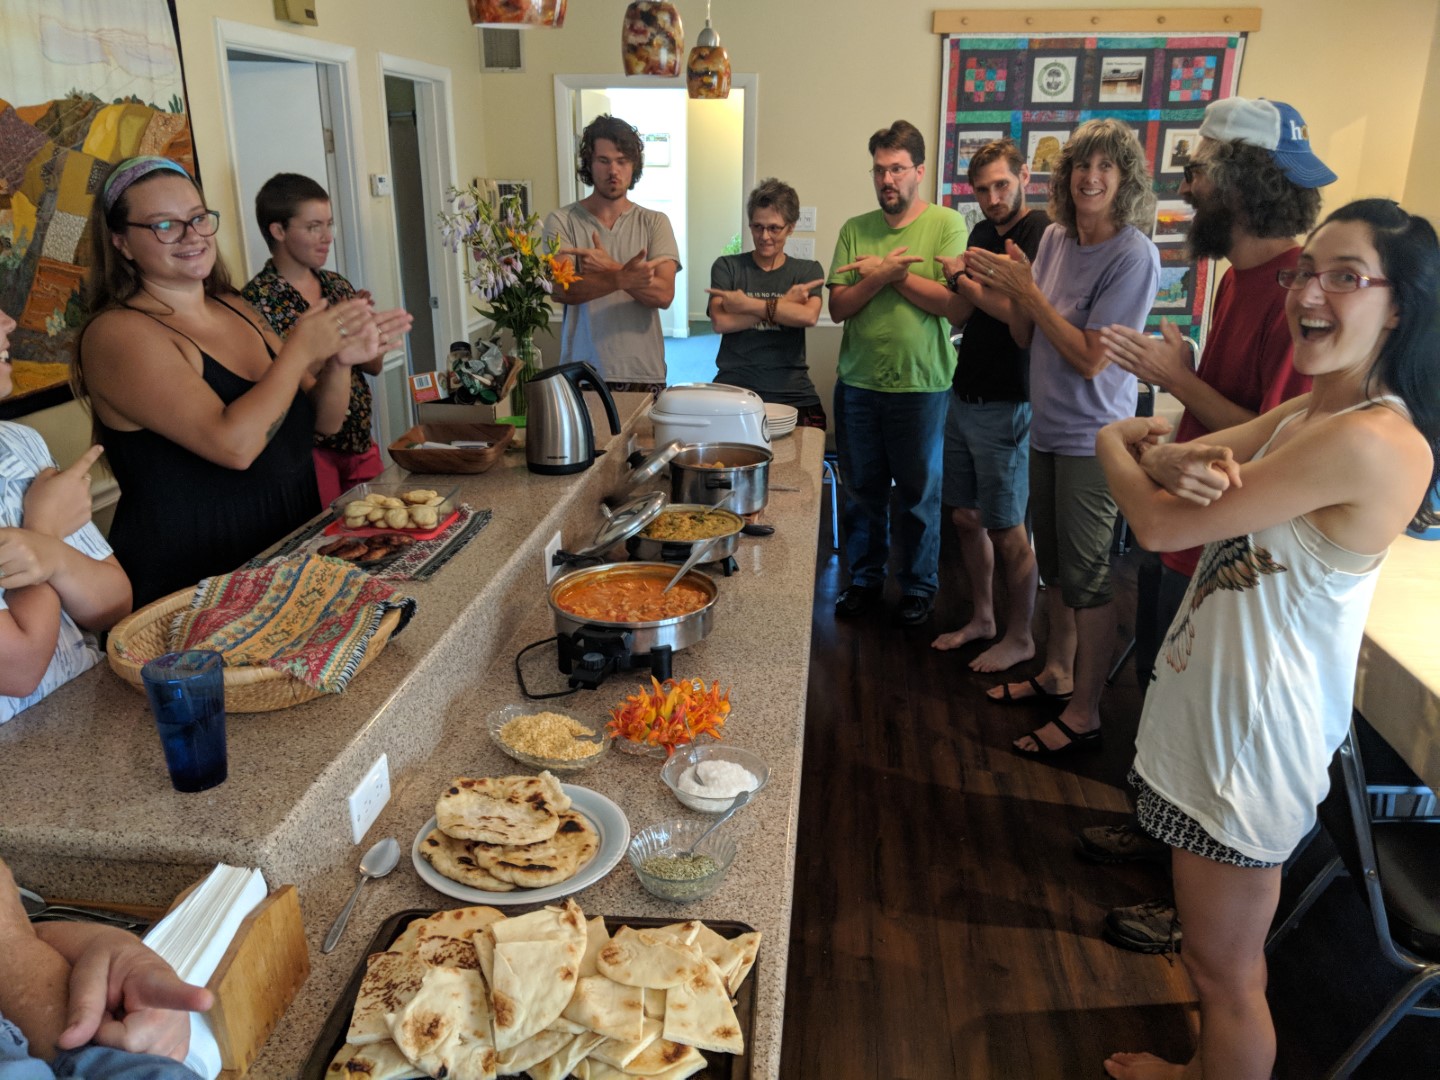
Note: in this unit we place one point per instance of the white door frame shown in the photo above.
(435, 124)
(566, 87)
(344, 97)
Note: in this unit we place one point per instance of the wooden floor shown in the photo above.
(943, 926)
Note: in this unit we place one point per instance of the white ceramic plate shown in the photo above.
(607, 819)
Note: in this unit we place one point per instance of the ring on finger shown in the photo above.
(343, 331)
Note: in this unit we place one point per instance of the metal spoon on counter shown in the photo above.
(740, 800)
(378, 861)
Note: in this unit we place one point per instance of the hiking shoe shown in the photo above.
(1151, 927)
(1120, 843)
(856, 600)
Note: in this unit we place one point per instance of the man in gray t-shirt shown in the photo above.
(627, 260)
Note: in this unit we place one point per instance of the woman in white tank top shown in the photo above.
(1297, 508)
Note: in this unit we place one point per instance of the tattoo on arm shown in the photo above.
(275, 427)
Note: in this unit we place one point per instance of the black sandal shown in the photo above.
(1088, 740)
(1039, 696)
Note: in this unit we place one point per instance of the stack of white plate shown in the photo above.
(780, 419)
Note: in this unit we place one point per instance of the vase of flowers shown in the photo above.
(511, 266)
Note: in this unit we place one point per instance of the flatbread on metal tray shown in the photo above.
(391, 980)
(445, 1028)
(647, 958)
(502, 809)
(375, 1061)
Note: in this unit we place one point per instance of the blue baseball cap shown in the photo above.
(1273, 126)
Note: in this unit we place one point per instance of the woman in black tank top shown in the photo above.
(206, 417)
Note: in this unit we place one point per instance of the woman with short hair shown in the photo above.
(761, 302)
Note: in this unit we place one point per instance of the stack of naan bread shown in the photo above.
(471, 995)
(501, 833)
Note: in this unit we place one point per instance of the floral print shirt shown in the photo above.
(281, 304)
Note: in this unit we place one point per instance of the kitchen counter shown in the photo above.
(90, 812)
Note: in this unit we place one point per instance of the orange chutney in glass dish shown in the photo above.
(630, 598)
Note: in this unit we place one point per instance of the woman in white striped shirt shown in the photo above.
(58, 577)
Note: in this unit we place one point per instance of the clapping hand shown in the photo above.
(1009, 274)
(892, 268)
(1161, 361)
(57, 502)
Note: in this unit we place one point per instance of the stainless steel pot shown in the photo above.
(673, 551)
(745, 470)
(678, 632)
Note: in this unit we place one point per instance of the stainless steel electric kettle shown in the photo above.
(559, 438)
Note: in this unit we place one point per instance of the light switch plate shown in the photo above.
(806, 221)
(800, 248)
(379, 185)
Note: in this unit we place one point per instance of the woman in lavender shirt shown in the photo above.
(1094, 267)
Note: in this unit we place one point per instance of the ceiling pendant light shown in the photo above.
(707, 73)
(517, 14)
(652, 39)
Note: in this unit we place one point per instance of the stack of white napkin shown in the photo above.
(193, 939)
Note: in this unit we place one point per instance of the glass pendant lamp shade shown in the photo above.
(707, 72)
(517, 14)
(652, 39)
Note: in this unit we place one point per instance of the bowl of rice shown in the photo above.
(543, 739)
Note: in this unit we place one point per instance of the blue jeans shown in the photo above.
(883, 437)
(86, 1063)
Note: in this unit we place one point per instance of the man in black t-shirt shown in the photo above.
(987, 433)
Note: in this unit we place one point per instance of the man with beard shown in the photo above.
(1254, 182)
(627, 259)
(896, 364)
(987, 430)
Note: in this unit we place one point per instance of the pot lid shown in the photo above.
(708, 399)
(628, 520)
(650, 469)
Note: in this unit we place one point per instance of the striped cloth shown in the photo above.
(23, 454)
(309, 616)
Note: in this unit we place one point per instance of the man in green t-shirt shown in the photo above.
(896, 366)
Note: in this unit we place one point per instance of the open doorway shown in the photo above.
(699, 166)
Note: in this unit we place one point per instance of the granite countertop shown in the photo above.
(110, 827)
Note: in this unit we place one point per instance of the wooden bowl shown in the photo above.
(142, 636)
(451, 460)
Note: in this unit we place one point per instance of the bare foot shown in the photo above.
(1004, 654)
(974, 630)
(1042, 687)
(1142, 1067)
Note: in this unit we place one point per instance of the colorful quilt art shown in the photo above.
(82, 87)
(1036, 89)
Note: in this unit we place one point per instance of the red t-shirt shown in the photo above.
(1246, 357)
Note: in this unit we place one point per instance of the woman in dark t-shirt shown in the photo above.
(761, 301)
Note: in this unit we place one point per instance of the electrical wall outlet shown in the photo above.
(369, 798)
(806, 221)
(800, 249)
(550, 549)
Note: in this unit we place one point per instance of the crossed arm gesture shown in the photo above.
(649, 281)
(734, 309)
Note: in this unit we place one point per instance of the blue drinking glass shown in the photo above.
(187, 696)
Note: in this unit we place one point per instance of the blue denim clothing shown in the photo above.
(883, 437)
(86, 1063)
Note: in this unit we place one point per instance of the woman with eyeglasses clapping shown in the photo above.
(761, 301)
(205, 415)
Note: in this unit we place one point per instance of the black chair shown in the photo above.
(1397, 863)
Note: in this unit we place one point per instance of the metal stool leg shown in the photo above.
(830, 475)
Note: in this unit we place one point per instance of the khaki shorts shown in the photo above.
(1074, 520)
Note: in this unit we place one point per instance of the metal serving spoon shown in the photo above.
(740, 800)
(38, 909)
(378, 861)
(697, 556)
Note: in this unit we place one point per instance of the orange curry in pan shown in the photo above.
(630, 598)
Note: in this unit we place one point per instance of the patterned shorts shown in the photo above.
(1167, 823)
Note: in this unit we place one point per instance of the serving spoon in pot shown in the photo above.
(697, 556)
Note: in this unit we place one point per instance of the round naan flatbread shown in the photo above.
(455, 860)
(533, 866)
(502, 809)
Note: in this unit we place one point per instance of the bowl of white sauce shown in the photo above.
(707, 777)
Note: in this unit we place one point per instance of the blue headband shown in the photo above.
(132, 169)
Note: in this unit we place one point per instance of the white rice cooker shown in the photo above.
(709, 413)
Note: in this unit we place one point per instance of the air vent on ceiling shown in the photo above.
(500, 50)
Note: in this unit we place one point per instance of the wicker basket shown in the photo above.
(141, 636)
(451, 460)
